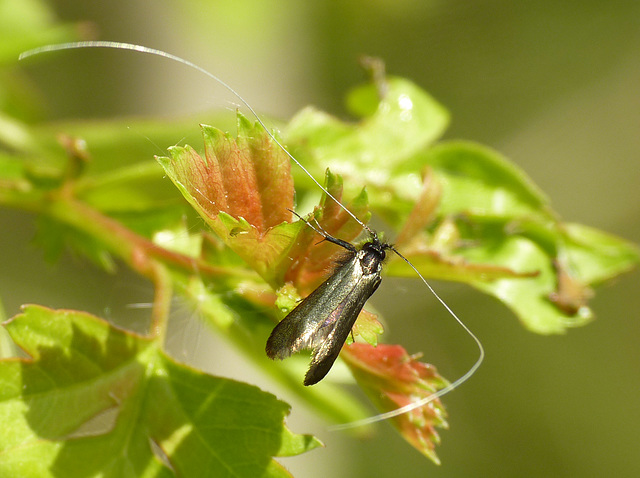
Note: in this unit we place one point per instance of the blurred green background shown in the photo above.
(552, 85)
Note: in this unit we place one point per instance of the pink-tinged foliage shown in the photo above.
(243, 189)
(392, 379)
(246, 177)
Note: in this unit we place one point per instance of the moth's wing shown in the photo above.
(337, 326)
(305, 326)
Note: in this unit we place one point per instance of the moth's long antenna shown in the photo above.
(143, 49)
(153, 51)
(443, 391)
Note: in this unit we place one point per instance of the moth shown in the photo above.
(323, 320)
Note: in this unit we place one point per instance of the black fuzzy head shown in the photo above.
(374, 254)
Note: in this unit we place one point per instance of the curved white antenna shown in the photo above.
(443, 391)
(143, 49)
(152, 51)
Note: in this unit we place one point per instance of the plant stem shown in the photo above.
(141, 254)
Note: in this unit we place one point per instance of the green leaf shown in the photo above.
(527, 297)
(596, 256)
(366, 327)
(478, 181)
(82, 367)
(222, 426)
(373, 152)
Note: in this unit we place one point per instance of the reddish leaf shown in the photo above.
(237, 176)
(392, 379)
(244, 190)
(248, 177)
(273, 174)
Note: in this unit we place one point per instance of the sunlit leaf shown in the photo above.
(476, 180)
(596, 256)
(393, 379)
(528, 297)
(374, 151)
(81, 367)
(244, 191)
